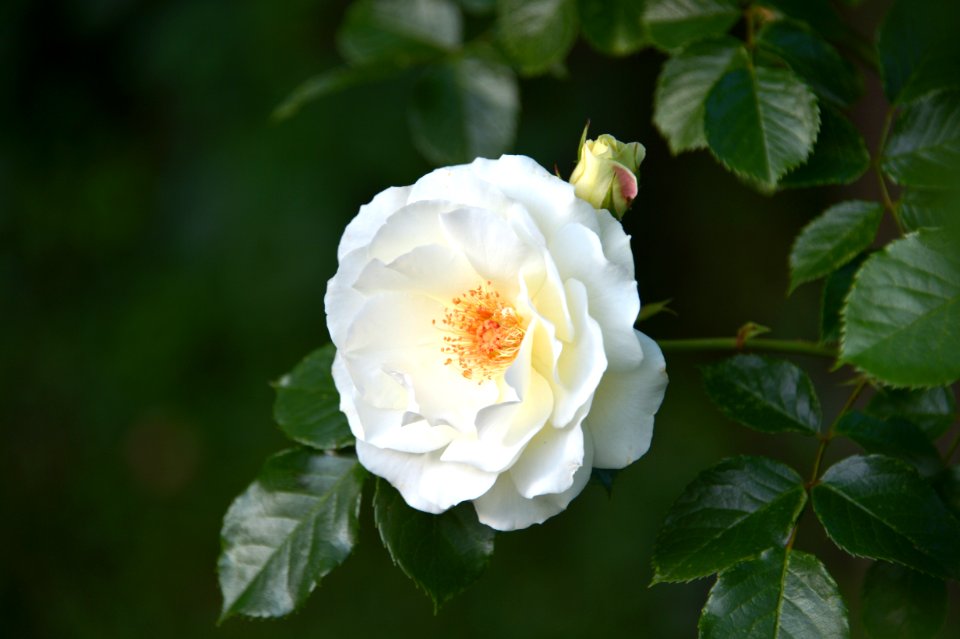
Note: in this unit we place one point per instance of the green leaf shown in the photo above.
(839, 156)
(926, 209)
(784, 594)
(933, 410)
(464, 109)
(824, 20)
(894, 438)
(399, 32)
(327, 83)
(536, 34)
(652, 309)
(675, 23)
(479, 7)
(879, 507)
(761, 122)
(918, 48)
(766, 394)
(292, 526)
(683, 85)
(899, 602)
(605, 477)
(948, 487)
(835, 291)
(818, 14)
(924, 146)
(833, 239)
(443, 554)
(730, 512)
(902, 319)
(813, 59)
(614, 27)
(307, 406)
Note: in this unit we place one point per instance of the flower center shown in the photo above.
(484, 333)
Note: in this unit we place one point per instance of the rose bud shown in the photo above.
(606, 175)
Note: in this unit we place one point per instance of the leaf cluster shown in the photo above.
(765, 86)
(299, 519)
(739, 519)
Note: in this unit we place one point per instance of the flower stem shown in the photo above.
(825, 440)
(888, 202)
(791, 346)
(827, 437)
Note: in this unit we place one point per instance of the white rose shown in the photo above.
(483, 320)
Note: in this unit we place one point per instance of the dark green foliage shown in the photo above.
(730, 512)
(761, 122)
(835, 290)
(614, 27)
(674, 24)
(536, 34)
(899, 602)
(879, 507)
(398, 32)
(307, 406)
(463, 109)
(924, 146)
(292, 526)
(947, 484)
(443, 554)
(902, 319)
(839, 155)
(894, 438)
(933, 410)
(328, 83)
(683, 86)
(766, 394)
(919, 51)
(833, 239)
(927, 209)
(813, 59)
(781, 595)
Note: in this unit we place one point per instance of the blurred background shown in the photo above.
(164, 250)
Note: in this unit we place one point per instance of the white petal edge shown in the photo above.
(425, 482)
(370, 218)
(504, 508)
(622, 415)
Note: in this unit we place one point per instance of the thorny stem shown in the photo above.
(792, 346)
(825, 440)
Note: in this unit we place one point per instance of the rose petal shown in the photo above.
(549, 461)
(581, 364)
(616, 243)
(503, 430)
(425, 482)
(491, 246)
(416, 224)
(612, 291)
(621, 418)
(342, 296)
(395, 333)
(371, 218)
(504, 508)
(551, 202)
(432, 270)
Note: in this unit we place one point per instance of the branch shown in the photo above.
(791, 346)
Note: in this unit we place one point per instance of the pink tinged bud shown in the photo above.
(606, 173)
(626, 183)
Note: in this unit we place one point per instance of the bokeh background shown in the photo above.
(164, 250)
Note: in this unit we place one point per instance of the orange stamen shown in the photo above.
(485, 334)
